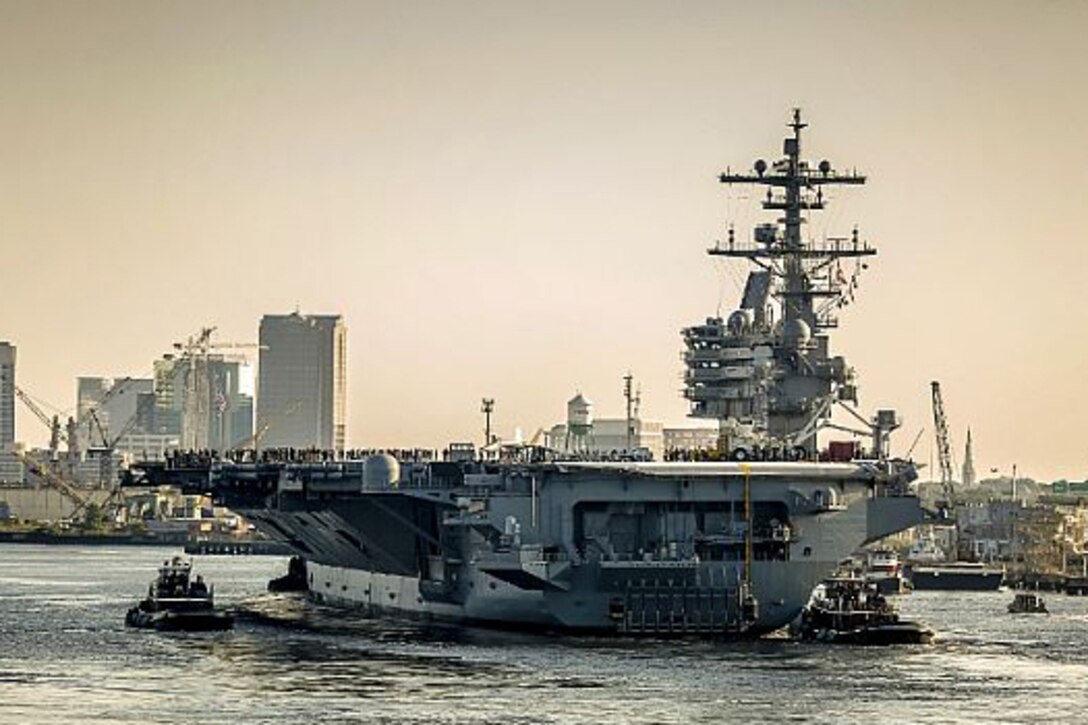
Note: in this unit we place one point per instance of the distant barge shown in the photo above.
(91, 539)
(261, 547)
(956, 576)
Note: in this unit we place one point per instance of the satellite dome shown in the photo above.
(380, 471)
(740, 321)
(796, 333)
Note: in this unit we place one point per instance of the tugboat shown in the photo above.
(1027, 603)
(294, 580)
(176, 603)
(847, 610)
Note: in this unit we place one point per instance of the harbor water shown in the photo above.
(66, 657)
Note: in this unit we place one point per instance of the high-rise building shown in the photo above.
(11, 468)
(302, 382)
(7, 396)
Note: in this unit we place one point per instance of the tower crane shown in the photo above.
(198, 385)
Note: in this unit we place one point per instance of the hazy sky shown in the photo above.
(513, 199)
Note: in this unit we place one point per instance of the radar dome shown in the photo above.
(760, 166)
(796, 333)
(740, 321)
(380, 471)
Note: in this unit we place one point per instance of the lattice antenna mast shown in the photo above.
(487, 407)
(804, 271)
(629, 396)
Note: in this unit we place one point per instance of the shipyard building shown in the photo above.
(603, 437)
(302, 382)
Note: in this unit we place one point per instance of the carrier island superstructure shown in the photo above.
(730, 542)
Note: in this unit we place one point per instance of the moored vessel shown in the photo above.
(884, 571)
(956, 576)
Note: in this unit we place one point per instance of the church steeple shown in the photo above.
(968, 464)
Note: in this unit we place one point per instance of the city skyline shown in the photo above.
(523, 215)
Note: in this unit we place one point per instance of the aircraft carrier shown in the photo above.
(729, 541)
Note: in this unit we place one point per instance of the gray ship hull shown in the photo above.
(657, 613)
(631, 548)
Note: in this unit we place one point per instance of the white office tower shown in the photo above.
(302, 382)
(11, 468)
(7, 396)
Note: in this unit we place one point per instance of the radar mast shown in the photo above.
(765, 372)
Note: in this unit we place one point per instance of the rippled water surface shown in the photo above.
(65, 657)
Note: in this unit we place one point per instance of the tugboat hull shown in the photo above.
(879, 635)
(179, 621)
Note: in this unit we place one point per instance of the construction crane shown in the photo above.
(254, 441)
(944, 447)
(109, 445)
(46, 471)
(50, 473)
(67, 434)
(53, 424)
(196, 404)
(88, 416)
(96, 422)
(66, 489)
(93, 421)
